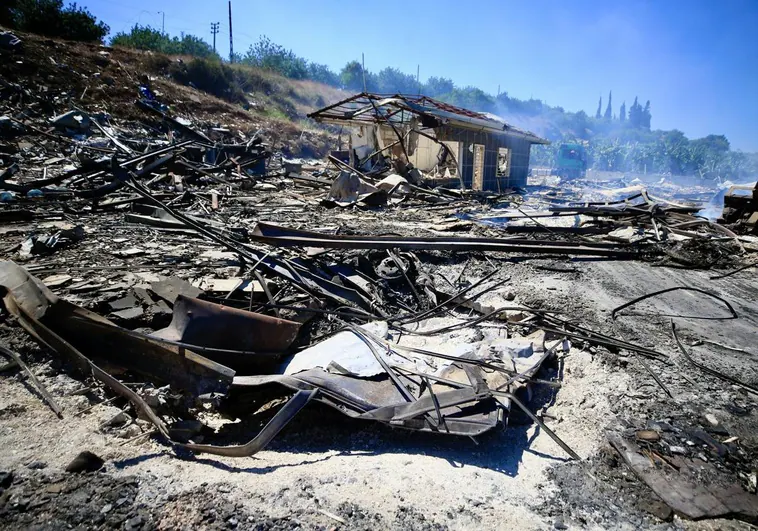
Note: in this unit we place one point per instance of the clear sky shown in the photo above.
(695, 60)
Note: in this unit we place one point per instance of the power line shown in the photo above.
(214, 31)
(135, 9)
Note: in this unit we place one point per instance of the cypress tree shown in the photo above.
(609, 109)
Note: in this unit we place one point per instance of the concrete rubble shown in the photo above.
(185, 271)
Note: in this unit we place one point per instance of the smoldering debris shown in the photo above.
(203, 264)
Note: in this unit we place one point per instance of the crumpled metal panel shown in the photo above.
(464, 411)
(241, 340)
(107, 344)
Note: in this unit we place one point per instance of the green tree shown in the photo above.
(271, 56)
(51, 18)
(622, 112)
(635, 114)
(351, 76)
(645, 117)
(195, 46)
(472, 98)
(675, 149)
(709, 155)
(146, 38)
(639, 157)
(323, 74)
(580, 124)
(736, 165)
(598, 114)
(608, 156)
(391, 80)
(438, 86)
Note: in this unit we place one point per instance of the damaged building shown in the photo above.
(427, 139)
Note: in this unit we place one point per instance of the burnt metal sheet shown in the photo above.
(105, 343)
(461, 403)
(286, 237)
(465, 411)
(239, 339)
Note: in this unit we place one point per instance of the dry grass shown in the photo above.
(237, 96)
(262, 92)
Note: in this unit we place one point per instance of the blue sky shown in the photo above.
(696, 60)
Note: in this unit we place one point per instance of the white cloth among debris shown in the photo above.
(393, 180)
(344, 349)
(349, 188)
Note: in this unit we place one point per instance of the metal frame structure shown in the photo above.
(441, 122)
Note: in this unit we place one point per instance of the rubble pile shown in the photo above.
(195, 271)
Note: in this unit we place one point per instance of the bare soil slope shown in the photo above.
(97, 78)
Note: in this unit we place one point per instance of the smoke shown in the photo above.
(540, 124)
(712, 210)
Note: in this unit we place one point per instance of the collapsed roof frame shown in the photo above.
(400, 109)
(480, 137)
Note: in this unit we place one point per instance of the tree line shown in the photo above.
(147, 38)
(622, 142)
(663, 152)
(639, 117)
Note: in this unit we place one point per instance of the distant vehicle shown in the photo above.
(571, 161)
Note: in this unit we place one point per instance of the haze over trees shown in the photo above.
(623, 142)
(609, 110)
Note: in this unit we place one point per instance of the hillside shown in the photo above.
(99, 78)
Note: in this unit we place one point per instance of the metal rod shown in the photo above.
(37, 384)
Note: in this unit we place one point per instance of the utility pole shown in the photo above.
(231, 41)
(214, 30)
(163, 22)
(363, 70)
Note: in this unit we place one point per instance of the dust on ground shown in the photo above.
(373, 476)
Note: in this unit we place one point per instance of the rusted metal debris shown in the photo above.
(463, 401)
(91, 337)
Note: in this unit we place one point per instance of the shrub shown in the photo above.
(50, 18)
(147, 38)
